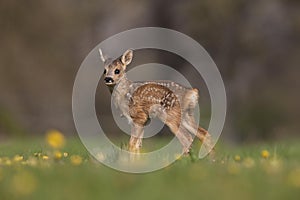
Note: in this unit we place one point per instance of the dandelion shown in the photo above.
(237, 158)
(273, 166)
(76, 159)
(45, 157)
(265, 154)
(294, 178)
(18, 158)
(57, 155)
(177, 156)
(38, 154)
(55, 139)
(65, 154)
(233, 168)
(6, 161)
(100, 156)
(249, 162)
(24, 183)
(31, 161)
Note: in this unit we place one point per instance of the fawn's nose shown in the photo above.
(108, 80)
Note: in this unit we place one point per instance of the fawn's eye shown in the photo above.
(104, 71)
(117, 71)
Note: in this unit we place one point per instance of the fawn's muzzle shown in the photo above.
(108, 80)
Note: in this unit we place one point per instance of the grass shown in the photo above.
(239, 173)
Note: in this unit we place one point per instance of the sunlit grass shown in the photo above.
(63, 169)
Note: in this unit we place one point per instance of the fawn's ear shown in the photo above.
(101, 55)
(127, 57)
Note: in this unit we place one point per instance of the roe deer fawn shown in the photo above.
(141, 101)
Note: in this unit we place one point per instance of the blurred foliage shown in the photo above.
(30, 170)
(8, 124)
(255, 44)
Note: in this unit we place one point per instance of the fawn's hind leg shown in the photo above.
(186, 139)
(181, 133)
(203, 135)
(189, 103)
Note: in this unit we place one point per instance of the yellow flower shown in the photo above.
(18, 158)
(6, 161)
(294, 177)
(76, 159)
(249, 162)
(272, 166)
(66, 154)
(24, 183)
(55, 139)
(44, 157)
(177, 156)
(237, 158)
(57, 155)
(32, 161)
(233, 168)
(38, 154)
(100, 156)
(265, 154)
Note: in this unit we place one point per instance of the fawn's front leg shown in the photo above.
(139, 119)
(137, 133)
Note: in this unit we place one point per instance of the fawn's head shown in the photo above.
(114, 70)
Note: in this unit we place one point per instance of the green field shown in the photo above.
(29, 169)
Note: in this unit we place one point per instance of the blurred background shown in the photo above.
(255, 44)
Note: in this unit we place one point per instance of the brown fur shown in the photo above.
(139, 101)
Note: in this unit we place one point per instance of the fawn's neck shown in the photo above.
(122, 87)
